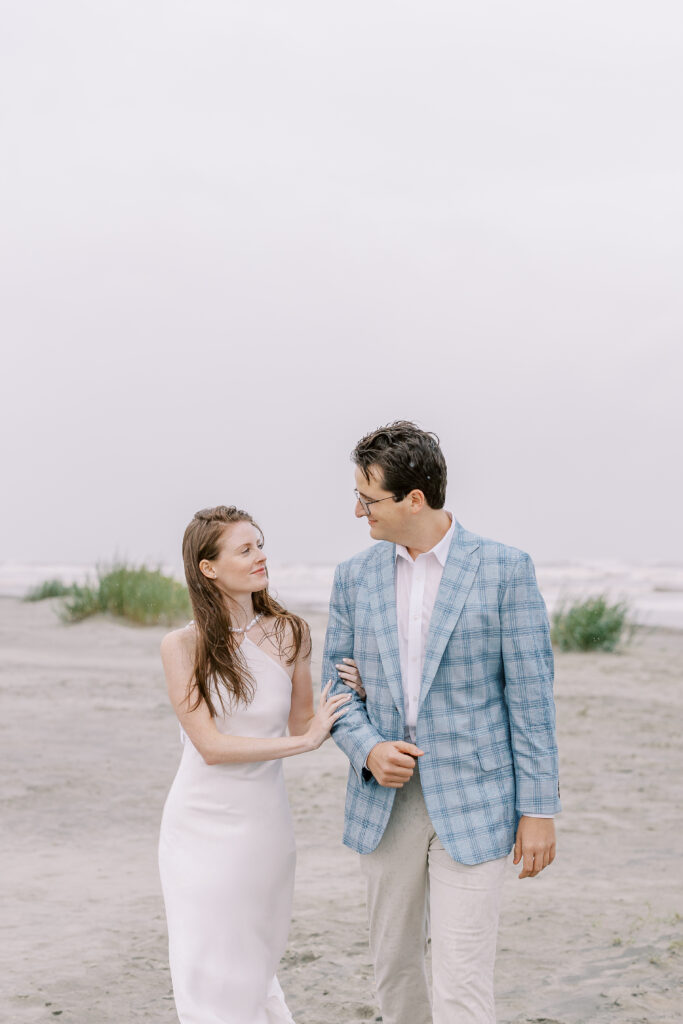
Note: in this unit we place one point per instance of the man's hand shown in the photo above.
(393, 762)
(535, 843)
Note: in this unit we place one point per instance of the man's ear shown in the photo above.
(417, 501)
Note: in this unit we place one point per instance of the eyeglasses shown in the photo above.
(365, 504)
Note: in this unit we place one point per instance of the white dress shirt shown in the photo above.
(417, 584)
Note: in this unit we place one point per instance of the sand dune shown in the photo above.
(90, 747)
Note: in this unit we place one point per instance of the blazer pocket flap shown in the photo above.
(494, 757)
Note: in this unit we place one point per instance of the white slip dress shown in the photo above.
(226, 860)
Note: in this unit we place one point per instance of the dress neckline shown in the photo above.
(271, 660)
(274, 662)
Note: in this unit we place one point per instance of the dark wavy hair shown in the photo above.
(410, 459)
(219, 668)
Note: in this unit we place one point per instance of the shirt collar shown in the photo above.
(440, 550)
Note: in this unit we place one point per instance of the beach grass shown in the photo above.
(138, 594)
(592, 624)
(47, 589)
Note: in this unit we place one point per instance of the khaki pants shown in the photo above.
(410, 878)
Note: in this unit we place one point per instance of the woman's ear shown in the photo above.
(207, 569)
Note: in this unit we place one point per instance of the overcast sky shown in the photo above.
(237, 236)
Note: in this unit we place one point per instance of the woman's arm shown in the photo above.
(302, 689)
(177, 655)
(302, 710)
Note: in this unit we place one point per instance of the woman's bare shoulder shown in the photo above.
(179, 642)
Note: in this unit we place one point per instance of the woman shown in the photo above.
(238, 677)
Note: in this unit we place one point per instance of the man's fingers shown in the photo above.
(398, 760)
(392, 762)
(397, 771)
(408, 748)
(535, 861)
(534, 846)
(399, 775)
(528, 865)
(547, 857)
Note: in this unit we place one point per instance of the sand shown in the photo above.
(90, 746)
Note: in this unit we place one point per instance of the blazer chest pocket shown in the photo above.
(491, 758)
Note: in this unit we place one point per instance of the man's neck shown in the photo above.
(428, 533)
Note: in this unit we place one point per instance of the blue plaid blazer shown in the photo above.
(486, 717)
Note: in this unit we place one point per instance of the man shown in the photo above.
(453, 754)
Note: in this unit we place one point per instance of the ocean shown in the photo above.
(653, 591)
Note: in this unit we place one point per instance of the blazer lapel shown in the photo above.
(456, 582)
(383, 604)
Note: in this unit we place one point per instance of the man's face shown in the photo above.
(387, 519)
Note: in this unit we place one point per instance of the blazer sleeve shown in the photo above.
(528, 667)
(353, 732)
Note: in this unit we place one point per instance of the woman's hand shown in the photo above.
(329, 710)
(349, 674)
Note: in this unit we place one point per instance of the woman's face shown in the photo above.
(240, 567)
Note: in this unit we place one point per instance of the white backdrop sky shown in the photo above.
(237, 236)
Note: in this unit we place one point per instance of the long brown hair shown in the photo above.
(219, 668)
